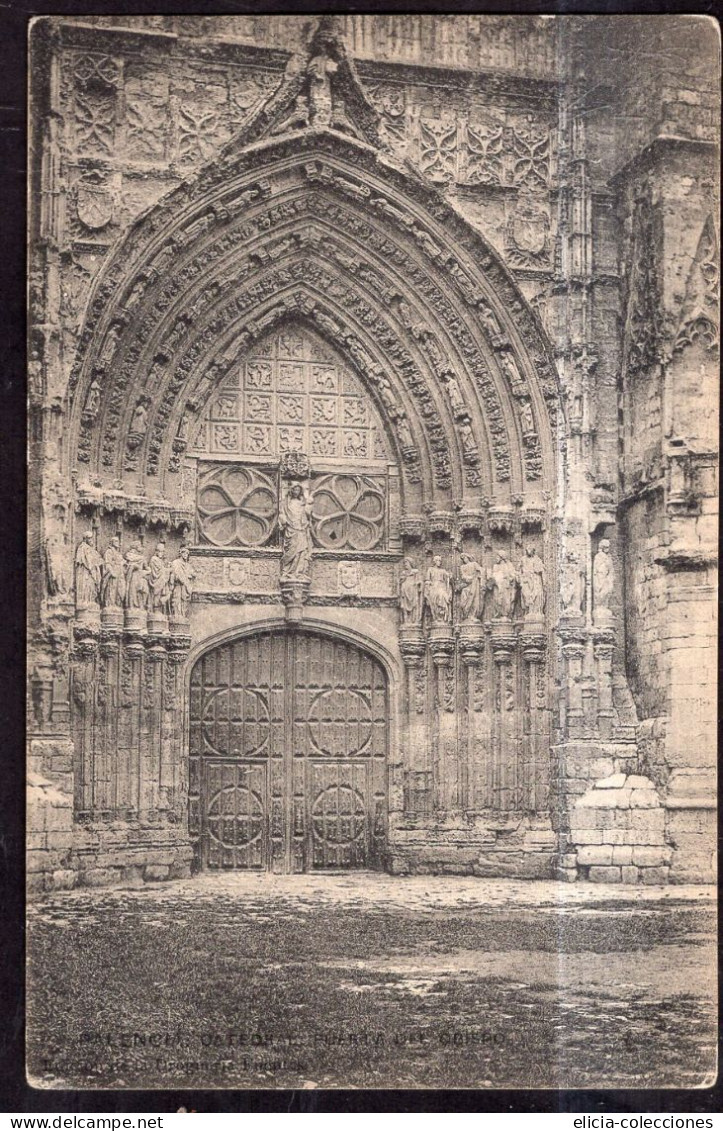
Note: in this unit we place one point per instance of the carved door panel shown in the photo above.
(236, 815)
(288, 746)
(339, 814)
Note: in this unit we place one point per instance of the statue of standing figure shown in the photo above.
(572, 587)
(532, 585)
(602, 583)
(502, 584)
(159, 573)
(410, 594)
(136, 578)
(88, 563)
(113, 588)
(295, 524)
(180, 582)
(438, 592)
(320, 70)
(471, 588)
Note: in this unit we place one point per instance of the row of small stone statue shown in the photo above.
(498, 594)
(128, 581)
(480, 596)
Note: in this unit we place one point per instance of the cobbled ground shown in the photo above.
(372, 981)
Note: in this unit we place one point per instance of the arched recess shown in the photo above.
(318, 227)
(289, 746)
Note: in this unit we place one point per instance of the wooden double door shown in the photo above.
(288, 748)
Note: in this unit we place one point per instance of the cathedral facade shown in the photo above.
(373, 447)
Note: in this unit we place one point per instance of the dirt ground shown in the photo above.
(369, 981)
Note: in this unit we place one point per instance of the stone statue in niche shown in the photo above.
(509, 364)
(139, 424)
(181, 577)
(158, 578)
(55, 565)
(469, 445)
(472, 580)
(320, 70)
(602, 584)
(88, 563)
(502, 585)
(92, 401)
(112, 588)
(532, 585)
(295, 524)
(572, 587)
(56, 550)
(404, 433)
(455, 395)
(410, 594)
(136, 578)
(527, 419)
(438, 592)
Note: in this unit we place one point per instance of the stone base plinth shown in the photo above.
(514, 847)
(136, 621)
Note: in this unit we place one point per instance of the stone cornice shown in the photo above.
(500, 83)
(659, 150)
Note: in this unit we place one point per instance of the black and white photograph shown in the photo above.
(373, 395)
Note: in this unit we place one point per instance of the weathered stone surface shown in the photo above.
(654, 875)
(615, 781)
(605, 875)
(383, 286)
(99, 877)
(156, 872)
(651, 857)
(596, 854)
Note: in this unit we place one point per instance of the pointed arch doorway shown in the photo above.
(288, 753)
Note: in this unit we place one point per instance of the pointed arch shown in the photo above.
(320, 227)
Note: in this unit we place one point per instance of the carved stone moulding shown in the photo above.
(294, 593)
(413, 527)
(136, 622)
(441, 523)
(532, 519)
(85, 640)
(500, 520)
(471, 638)
(603, 638)
(503, 635)
(533, 632)
(411, 640)
(179, 627)
(157, 624)
(470, 521)
(573, 638)
(111, 620)
(156, 646)
(87, 620)
(441, 640)
(134, 508)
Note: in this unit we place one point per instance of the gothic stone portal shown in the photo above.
(303, 389)
(288, 746)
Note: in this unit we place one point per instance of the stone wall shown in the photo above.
(591, 175)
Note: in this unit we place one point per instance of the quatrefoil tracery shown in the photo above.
(237, 506)
(348, 512)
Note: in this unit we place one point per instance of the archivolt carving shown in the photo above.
(204, 246)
